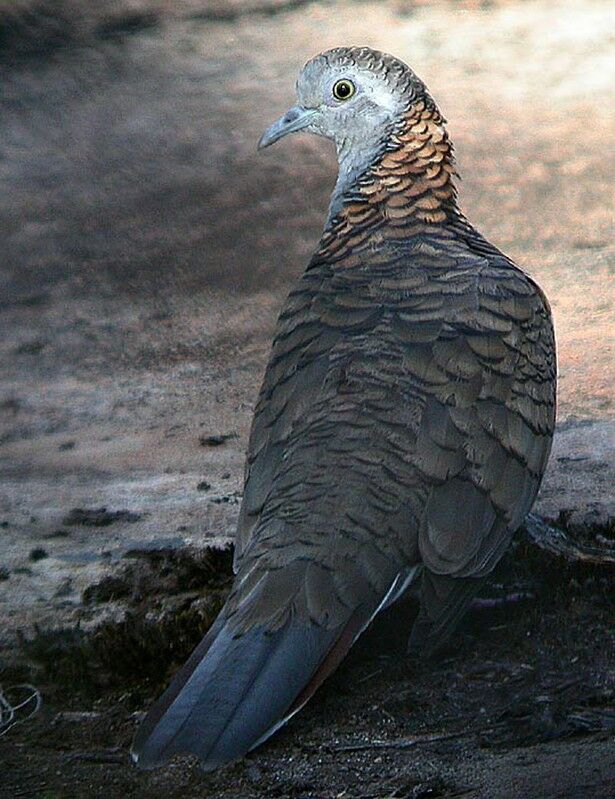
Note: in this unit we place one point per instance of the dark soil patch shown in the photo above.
(216, 440)
(99, 517)
(119, 27)
(170, 598)
(164, 572)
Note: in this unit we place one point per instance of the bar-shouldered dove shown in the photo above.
(401, 432)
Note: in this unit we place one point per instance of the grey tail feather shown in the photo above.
(236, 690)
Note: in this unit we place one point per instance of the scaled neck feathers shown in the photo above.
(406, 186)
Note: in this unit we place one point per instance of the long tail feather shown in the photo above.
(242, 682)
(234, 692)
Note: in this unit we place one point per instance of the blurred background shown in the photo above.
(146, 248)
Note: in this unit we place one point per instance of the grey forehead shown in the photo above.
(395, 73)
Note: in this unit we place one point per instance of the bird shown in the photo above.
(401, 432)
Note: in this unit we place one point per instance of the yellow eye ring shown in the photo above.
(343, 89)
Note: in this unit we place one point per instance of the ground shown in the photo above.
(147, 249)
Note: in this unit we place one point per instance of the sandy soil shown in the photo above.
(146, 251)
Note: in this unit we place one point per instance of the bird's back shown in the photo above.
(402, 374)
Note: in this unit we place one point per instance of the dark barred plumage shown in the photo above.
(402, 431)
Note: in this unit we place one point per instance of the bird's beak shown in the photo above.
(296, 118)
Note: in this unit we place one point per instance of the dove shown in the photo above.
(401, 432)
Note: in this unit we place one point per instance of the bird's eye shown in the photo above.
(343, 89)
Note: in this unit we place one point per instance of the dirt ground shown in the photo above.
(146, 250)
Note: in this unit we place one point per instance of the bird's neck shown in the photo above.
(407, 180)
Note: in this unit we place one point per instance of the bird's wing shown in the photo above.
(297, 368)
(487, 422)
(472, 343)
(488, 377)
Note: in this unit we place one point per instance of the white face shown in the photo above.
(353, 96)
(349, 102)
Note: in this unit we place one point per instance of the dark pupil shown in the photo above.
(343, 89)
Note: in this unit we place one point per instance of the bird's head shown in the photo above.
(352, 95)
(387, 129)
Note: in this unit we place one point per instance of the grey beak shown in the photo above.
(296, 118)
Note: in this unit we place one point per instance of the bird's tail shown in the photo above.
(239, 687)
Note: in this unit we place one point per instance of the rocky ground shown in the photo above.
(146, 251)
